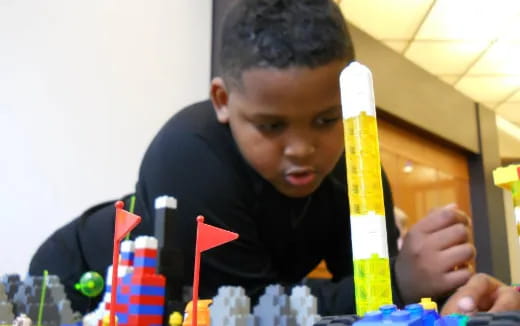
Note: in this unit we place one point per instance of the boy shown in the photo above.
(264, 159)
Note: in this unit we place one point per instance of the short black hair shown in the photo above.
(282, 34)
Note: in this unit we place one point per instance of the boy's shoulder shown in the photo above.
(194, 145)
(193, 128)
(195, 117)
(194, 124)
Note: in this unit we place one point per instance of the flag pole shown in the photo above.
(113, 290)
(196, 273)
(115, 265)
(42, 297)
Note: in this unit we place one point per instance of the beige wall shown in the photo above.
(509, 146)
(84, 86)
(412, 94)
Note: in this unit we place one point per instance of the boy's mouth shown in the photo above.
(301, 177)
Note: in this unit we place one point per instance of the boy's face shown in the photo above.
(287, 123)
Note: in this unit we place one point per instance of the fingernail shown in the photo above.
(451, 206)
(466, 305)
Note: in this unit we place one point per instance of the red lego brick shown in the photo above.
(144, 270)
(126, 262)
(140, 320)
(148, 279)
(120, 307)
(147, 300)
(149, 253)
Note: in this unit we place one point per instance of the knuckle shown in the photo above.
(416, 249)
(412, 238)
(468, 250)
(461, 231)
(448, 216)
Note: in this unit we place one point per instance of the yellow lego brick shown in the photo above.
(175, 319)
(428, 304)
(505, 176)
(372, 284)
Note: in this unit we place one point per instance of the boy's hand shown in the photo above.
(482, 293)
(434, 257)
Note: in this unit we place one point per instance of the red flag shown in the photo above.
(125, 222)
(207, 237)
(210, 236)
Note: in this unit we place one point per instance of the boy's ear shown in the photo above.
(220, 99)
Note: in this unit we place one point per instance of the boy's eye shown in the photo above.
(325, 121)
(270, 126)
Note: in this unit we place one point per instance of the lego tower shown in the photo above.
(509, 178)
(365, 190)
(140, 291)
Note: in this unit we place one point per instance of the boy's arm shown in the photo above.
(62, 254)
(82, 245)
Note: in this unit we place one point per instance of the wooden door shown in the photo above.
(423, 174)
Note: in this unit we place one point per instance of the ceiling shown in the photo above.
(473, 45)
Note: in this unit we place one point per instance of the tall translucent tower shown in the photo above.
(365, 190)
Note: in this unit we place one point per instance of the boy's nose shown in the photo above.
(299, 149)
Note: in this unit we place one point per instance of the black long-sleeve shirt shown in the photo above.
(194, 159)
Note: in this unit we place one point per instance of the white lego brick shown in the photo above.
(165, 201)
(122, 271)
(127, 246)
(146, 242)
(357, 91)
(368, 236)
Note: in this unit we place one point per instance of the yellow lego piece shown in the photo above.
(504, 177)
(175, 319)
(372, 277)
(365, 188)
(203, 317)
(106, 320)
(428, 304)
